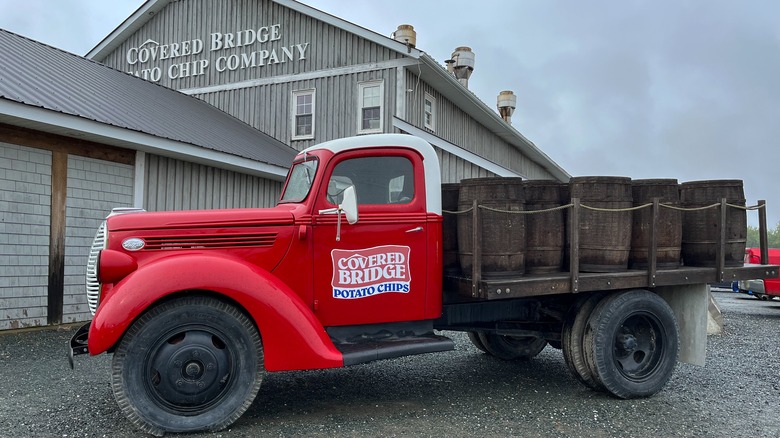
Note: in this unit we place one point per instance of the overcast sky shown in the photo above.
(645, 89)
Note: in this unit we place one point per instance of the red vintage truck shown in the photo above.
(764, 289)
(196, 306)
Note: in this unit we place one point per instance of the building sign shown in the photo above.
(257, 48)
(372, 271)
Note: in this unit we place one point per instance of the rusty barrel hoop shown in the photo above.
(545, 232)
(700, 230)
(502, 235)
(669, 230)
(605, 236)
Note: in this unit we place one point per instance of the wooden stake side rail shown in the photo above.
(460, 289)
(477, 288)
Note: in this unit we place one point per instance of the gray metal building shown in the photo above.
(304, 76)
(79, 137)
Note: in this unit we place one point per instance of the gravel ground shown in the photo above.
(460, 393)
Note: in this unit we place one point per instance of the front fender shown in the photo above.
(293, 338)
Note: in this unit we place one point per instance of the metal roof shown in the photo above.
(47, 78)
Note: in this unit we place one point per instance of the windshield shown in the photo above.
(299, 182)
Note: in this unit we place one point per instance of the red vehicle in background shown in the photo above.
(765, 289)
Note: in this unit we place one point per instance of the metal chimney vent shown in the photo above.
(506, 103)
(406, 34)
(464, 64)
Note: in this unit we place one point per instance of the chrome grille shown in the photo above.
(93, 284)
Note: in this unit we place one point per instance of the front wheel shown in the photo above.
(631, 343)
(189, 364)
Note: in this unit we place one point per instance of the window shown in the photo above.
(430, 112)
(370, 95)
(303, 114)
(299, 181)
(377, 180)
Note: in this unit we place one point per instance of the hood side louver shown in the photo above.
(210, 241)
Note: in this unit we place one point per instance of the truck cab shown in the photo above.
(376, 270)
(379, 276)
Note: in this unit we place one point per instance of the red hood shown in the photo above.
(279, 215)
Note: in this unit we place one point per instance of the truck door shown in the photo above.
(376, 271)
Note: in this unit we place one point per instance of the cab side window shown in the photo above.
(377, 180)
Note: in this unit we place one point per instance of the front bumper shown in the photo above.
(78, 343)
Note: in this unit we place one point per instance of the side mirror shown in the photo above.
(349, 205)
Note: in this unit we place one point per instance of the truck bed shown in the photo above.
(473, 286)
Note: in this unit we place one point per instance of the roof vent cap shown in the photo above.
(506, 103)
(406, 34)
(464, 64)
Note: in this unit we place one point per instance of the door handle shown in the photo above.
(415, 230)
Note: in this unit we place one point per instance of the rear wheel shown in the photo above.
(512, 347)
(187, 365)
(572, 337)
(631, 343)
(474, 338)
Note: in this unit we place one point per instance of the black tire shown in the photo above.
(631, 343)
(572, 337)
(512, 347)
(187, 365)
(474, 338)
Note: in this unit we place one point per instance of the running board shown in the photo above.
(366, 343)
(368, 351)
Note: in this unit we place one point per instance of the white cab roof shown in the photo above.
(430, 159)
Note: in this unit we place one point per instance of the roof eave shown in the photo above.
(53, 122)
(367, 34)
(130, 25)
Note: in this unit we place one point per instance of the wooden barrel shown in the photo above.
(669, 230)
(700, 230)
(545, 233)
(449, 231)
(502, 236)
(604, 236)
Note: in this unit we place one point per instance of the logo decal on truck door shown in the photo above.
(371, 271)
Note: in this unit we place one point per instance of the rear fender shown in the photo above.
(293, 338)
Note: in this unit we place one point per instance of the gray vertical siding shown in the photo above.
(454, 169)
(94, 188)
(329, 47)
(179, 185)
(25, 209)
(268, 107)
(455, 126)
